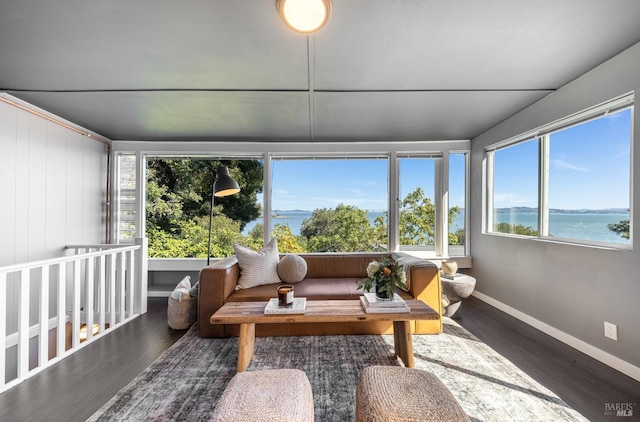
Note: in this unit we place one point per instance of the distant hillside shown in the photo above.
(529, 210)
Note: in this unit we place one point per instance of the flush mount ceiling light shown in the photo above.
(304, 16)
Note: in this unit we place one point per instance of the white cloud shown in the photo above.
(563, 164)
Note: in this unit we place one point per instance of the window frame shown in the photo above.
(266, 151)
(268, 212)
(440, 207)
(466, 251)
(542, 135)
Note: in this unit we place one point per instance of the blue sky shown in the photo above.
(589, 167)
(311, 184)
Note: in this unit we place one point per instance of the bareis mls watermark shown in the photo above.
(619, 409)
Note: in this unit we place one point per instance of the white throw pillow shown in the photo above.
(182, 289)
(257, 268)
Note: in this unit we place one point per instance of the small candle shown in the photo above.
(285, 295)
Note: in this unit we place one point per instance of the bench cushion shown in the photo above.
(267, 395)
(395, 393)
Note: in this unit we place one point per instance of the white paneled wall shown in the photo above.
(52, 187)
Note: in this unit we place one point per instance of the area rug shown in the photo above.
(185, 383)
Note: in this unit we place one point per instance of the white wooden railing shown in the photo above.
(49, 309)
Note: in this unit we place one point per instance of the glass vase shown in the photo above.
(381, 291)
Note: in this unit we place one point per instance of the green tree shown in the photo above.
(190, 182)
(190, 238)
(515, 229)
(417, 220)
(343, 229)
(255, 238)
(179, 203)
(287, 241)
(621, 228)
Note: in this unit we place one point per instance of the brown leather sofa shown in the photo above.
(329, 276)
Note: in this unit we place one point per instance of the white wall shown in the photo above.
(52, 187)
(566, 290)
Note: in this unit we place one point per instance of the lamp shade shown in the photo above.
(224, 184)
(304, 16)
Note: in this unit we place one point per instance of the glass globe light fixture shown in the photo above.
(304, 16)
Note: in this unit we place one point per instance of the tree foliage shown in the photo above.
(348, 229)
(515, 229)
(418, 220)
(287, 241)
(344, 228)
(621, 228)
(179, 203)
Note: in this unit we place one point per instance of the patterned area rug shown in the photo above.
(185, 383)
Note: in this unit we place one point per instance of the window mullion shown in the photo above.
(442, 212)
(543, 199)
(393, 227)
(488, 174)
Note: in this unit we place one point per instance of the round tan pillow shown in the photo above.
(292, 268)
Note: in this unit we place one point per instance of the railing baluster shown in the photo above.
(112, 289)
(3, 326)
(23, 324)
(141, 274)
(89, 284)
(102, 293)
(75, 313)
(43, 332)
(61, 329)
(130, 287)
(122, 256)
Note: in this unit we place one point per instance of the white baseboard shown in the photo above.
(586, 348)
(158, 293)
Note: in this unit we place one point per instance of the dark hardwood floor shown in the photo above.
(582, 382)
(80, 384)
(76, 387)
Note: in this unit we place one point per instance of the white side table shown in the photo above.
(456, 290)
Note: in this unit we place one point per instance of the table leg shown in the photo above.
(246, 343)
(403, 342)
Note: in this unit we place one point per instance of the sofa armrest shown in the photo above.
(216, 283)
(427, 287)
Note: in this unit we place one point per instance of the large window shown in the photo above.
(515, 189)
(330, 205)
(458, 180)
(309, 201)
(178, 207)
(125, 198)
(417, 205)
(571, 182)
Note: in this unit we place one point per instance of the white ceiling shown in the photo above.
(225, 70)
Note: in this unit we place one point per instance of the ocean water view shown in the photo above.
(584, 226)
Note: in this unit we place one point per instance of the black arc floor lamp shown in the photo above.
(224, 185)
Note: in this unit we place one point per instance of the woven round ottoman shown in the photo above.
(268, 395)
(395, 393)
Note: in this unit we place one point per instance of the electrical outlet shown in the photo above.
(611, 331)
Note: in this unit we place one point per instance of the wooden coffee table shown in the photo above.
(248, 314)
